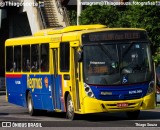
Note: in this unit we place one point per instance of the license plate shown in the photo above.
(122, 104)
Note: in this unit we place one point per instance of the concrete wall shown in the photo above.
(33, 17)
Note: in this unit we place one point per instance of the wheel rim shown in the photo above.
(70, 109)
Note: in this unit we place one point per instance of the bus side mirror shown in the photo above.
(80, 56)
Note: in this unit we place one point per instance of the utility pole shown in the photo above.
(79, 9)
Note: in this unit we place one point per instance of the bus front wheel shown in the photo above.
(31, 109)
(70, 108)
(133, 115)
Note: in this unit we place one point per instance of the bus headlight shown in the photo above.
(151, 87)
(88, 90)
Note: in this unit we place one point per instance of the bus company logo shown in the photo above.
(46, 82)
(106, 93)
(34, 83)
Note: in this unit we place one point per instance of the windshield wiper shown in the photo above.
(126, 51)
(102, 47)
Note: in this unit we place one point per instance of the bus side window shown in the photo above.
(26, 58)
(35, 58)
(9, 59)
(17, 59)
(44, 57)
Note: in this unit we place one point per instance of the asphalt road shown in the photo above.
(18, 116)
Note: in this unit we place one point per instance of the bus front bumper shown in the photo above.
(91, 105)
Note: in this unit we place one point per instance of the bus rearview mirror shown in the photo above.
(80, 56)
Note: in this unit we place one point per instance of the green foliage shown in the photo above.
(73, 17)
(99, 15)
(156, 57)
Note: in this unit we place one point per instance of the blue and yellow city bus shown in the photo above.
(81, 69)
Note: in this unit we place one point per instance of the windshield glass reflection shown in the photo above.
(111, 64)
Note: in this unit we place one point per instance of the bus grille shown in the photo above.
(121, 97)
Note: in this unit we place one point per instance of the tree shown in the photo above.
(73, 17)
(106, 15)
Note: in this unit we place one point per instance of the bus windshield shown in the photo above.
(117, 63)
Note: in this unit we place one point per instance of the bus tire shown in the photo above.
(133, 115)
(69, 108)
(30, 106)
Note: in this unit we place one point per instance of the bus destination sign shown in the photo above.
(114, 36)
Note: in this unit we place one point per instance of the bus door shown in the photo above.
(56, 81)
(76, 73)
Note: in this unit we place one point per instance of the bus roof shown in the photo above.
(70, 32)
(68, 29)
(83, 28)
